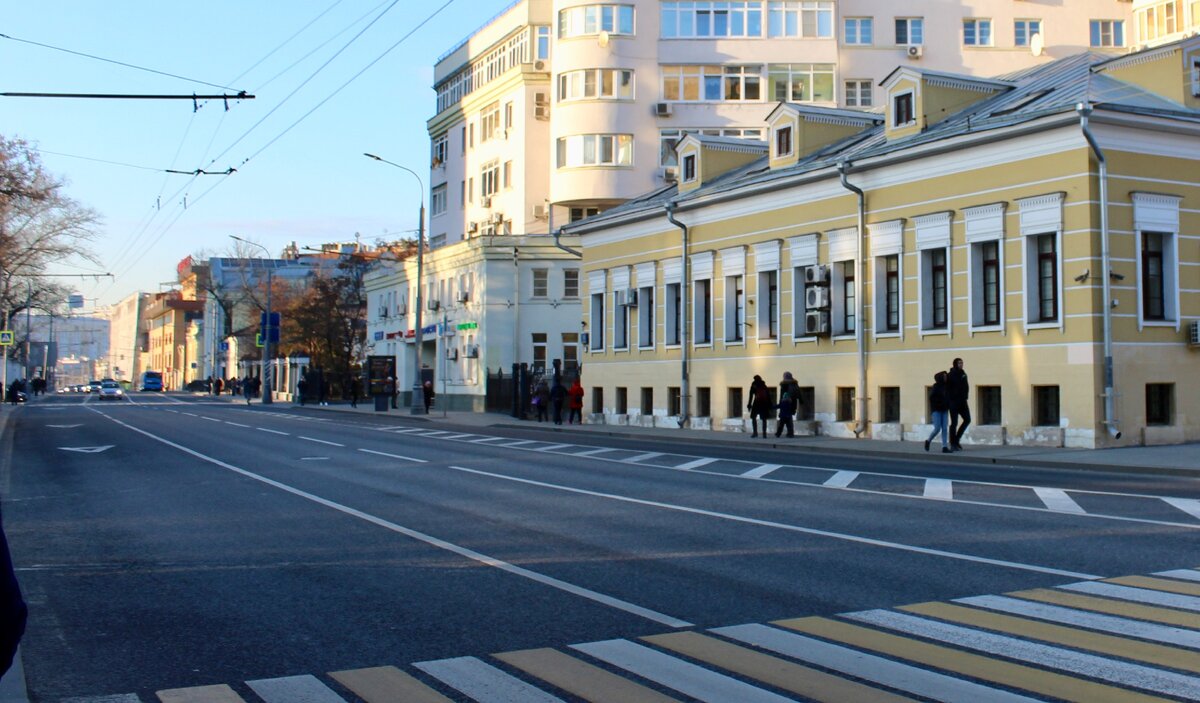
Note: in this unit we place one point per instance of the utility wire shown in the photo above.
(287, 41)
(119, 63)
(320, 46)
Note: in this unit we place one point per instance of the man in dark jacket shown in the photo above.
(558, 395)
(13, 611)
(759, 405)
(958, 388)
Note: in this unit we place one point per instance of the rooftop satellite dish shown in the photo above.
(602, 40)
(1036, 44)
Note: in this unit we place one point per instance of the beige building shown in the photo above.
(971, 218)
(1160, 22)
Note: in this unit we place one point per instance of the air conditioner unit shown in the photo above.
(452, 354)
(1194, 338)
(486, 202)
(816, 275)
(631, 297)
(618, 298)
(816, 298)
(383, 311)
(498, 218)
(541, 106)
(434, 305)
(401, 308)
(463, 296)
(538, 212)
(473, 351)
(670, 174)
(916, 51)
(663, 109)
(472, 227)
(816, 322)
(539, 65)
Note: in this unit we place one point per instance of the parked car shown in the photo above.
(111, 390)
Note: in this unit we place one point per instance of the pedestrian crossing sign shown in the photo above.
(258, 340)
(6, 338)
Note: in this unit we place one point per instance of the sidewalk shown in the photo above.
(1177, 459)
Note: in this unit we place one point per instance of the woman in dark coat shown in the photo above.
(759, 405)
(939, 409)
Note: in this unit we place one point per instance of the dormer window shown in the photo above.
(902, 109)
(689, 168)
(783, 142)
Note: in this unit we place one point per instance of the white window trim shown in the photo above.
(1157, 213)
(984, 223)
(933, 232)
(892, 100)
(991, 32)
(767, 259)
(886, 239)
(1040, 215)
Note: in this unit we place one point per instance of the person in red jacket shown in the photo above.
(575, 403)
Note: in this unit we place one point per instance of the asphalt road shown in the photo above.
(170, 542)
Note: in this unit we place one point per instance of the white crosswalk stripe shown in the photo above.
(643, 457)
(1093, 621)
(1103, 668)
(552, 448)
(1138, 595)
(903, 677)
(294, 689)
(695, 681)
(122, 698)
(841, 479)
(763, 470)
(1057, 499)
(940, 488)
(484, 682)
(695, 464)
(1187, 505)
(1182, 574)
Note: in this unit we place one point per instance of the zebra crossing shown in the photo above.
(1131, 639)
(1135, 507)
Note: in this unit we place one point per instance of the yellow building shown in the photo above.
(862, 252)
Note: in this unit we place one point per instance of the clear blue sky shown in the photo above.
(311, 186)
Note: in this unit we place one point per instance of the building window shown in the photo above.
(441, 150)
(489, 123)
(805, 396)
(674, 401)
(1153, 281)
(910, 31)
(858, 93)
(489, 179)
(438, 199)
(543, 44)
(471, 190)
(1045, 406)
(595, 150)
(597, 399)
(669, 138)
(735, 308)
(508, 174)
(845, 404)
(801, 82)
(673, 301)
(689, 168)
(902, 110)
(620, 320)
(570, 352)
(888, 299)
(580, 213)
(989, 405)
(597, 319)
(539, 351)
(1108, 33)
(711, 83)
(845, 270)
(858, 31)
(977, 32)
(703, 402)
(768, 305)
(1160, 399)
(647, 401)
(587, 20)
(1023, 31)
(571, 283)
(683, 20)
(735, 408)
(1045, 248)
(596, 84)
(702, 309)
(622, 401)
(889, 404)
(541, 283)
(783, 142)
(988, 254)
(646, 317)
(935, 287)
(1164, 19)
(806, 19)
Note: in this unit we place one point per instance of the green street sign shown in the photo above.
(258, 340)
(6, 338)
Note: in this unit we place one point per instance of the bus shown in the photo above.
(152, 381)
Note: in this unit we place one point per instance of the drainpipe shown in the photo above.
(1110, 419)
(685, 396)
(860, 425)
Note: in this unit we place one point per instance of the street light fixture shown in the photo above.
(266, 354)
(417, 405)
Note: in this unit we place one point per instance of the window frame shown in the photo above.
(979, 31)
(597, 312)
(889, 295)
(843, 307)
(711, 83)
(858, 23)
(646, 321)
(735, 309)
(860, 85)
(907, 99)
(673, 314)
(439, 200)
(1098, 29)
(909, 23)
(768, 307)
(575, 22)
(539, 278)
(819, 78)
(570, 290)
(702, 312)
(573, 86)
(791, 19)
(683, 20)
(1024, 28)
(935, 298)
(585, 146)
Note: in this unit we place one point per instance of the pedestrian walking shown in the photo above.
(355, 390)
(13, 611)
(322, 390)
(958, 389)
(541, 401)
(938, 408)
(301, 389)
(247, 389)
(786, 408)
(392, 390)
(558, 395)
(575, 403)
(429, 395)
(759, 405)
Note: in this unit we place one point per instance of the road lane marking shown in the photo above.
(235, 424)
(1187, 505)
(210, 419)
(1125, 609)
(484, 682)
(1137, 595)
(264, 429)
(685, 677)
(464, 552)
(763, 470)
(695, 464)
(939, 488)
(294, 689)
(314, 458)
(319, 441)
(583, 680)
(485, 440)
(191, 414)
(200, 694)
(88, 450)
(841, 479)
(552, 448)
(783, 526)
(1185, 574)
(522, 443)
(643, 457)
(1058, 500)
(594, 452)
(394, 456)
(387, 684)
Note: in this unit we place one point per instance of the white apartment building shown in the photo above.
(1158, 22)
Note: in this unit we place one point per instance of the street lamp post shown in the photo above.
(266, 354)
(418, 404)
